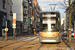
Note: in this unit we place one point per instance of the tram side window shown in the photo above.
(57, 26)
(53, 26)
(44, 27)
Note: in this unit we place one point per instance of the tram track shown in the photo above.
(30, 46)
(46, 47)
(39, 46)
(56, 46)
(16, 42)
(27, 43)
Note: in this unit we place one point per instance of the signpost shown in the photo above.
(14, 24)
(6, 29)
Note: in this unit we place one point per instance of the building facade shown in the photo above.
(6, 15)
(73, 16)
(17, 8)
(66, 20)
(37, 17)
(67, 17)
(25, 17)
(33, 16)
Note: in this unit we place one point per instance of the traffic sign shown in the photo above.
(14, 25)
(14, 20)
(6, 29)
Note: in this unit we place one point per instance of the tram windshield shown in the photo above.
(50, 22)
(52, 27)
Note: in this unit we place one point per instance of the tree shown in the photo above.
(71, 9)
(64, 5)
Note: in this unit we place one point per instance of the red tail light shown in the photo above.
(64, 34)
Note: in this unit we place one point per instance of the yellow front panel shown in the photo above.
(49, 34)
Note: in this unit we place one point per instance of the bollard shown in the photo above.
(6, 36)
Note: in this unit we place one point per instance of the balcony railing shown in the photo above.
(25, 0)
(11, 13)
(25, 9)
(25, 4)
(30, 1)
(25, 12)
(37, 24)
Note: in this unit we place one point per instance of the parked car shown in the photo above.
(64, 34)
(72, 33)
(37, 33)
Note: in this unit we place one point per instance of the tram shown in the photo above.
(50, 27)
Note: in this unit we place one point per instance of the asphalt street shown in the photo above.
(32, 43)
(65, 38)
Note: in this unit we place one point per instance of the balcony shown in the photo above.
(11, 13)
(25, 26)
(25, 1)
(37, 29)
(30, 1)
(38, 19)
(25, 12)
(25, 17)
(37, 24)
(37, 14)
(25, 8)
(37, 10)
(25, 4)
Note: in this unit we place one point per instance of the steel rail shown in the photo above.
(25, 43)
(13, 43)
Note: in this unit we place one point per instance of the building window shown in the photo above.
(25, 12)
(25, 6)
(24, 3)
(29, 1)
(24, 19)
(74, 16)
(4, 21)
(8, 2)
(4, 4)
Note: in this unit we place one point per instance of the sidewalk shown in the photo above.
(64, 45)
(67, 45)
(17, 38)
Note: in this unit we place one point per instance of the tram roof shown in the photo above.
(49, 11)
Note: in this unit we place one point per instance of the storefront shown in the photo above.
(3, 18)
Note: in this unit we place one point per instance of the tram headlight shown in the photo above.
(49, 32)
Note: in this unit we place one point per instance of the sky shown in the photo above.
(44, 5)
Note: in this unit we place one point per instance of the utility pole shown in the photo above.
(6, 29)
(14, 24)
(69, 30)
